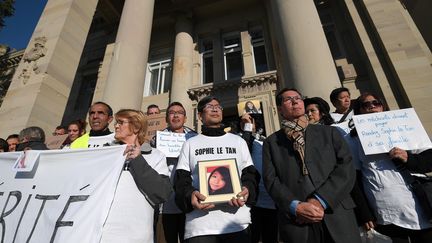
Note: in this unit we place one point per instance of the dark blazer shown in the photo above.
(328, 160)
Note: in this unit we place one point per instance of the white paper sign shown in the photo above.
(380, 132)
(66, 197)
(170, 143)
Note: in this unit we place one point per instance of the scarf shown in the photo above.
(295, 131)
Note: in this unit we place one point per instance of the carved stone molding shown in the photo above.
(259, 79)
(245, 83)
(11, 59)
(30, 63)
(3, 49)
(199, 92)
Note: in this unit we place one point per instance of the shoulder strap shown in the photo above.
(345, 116)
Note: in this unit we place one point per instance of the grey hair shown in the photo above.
(35, 134)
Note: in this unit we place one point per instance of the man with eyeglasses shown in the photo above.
(173, 219)
(176, 118)
(207, 222)
(308, 173)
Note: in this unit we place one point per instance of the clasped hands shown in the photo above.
(310, 211)
(238, 201)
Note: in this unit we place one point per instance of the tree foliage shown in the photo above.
(6, 10)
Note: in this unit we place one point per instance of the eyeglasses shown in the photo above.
(290, 99)
(173, 113)
(213, 107)
(369, 104)
(120, 122)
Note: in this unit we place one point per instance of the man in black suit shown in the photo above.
(309, 174)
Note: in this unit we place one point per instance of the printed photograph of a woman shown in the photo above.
(219, 181)
(250, 108)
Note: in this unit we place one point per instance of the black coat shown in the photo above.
(332, 174)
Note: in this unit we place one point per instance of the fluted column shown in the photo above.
(125, 83)
(183, 64)
(305, 57)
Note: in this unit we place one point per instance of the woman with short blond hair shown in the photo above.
(143, 185)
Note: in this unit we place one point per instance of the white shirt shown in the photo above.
(387, 191)
(223, 218)
(100, 141)
(131, 216)
(337, 116)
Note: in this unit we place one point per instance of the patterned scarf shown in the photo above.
(295, 131)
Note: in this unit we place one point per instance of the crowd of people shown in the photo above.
(309, 182)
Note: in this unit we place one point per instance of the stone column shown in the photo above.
(182, 64)
(125, 83)
(306, 61)
(247, 49)
(41, 84)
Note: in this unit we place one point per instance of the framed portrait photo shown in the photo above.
(250, 107)
(219, 180)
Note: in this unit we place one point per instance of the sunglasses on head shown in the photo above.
(368, 104)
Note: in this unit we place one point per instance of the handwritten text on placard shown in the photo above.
(380, 132)
(170, 143)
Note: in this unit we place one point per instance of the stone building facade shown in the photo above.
(132, 53)
(9, 61)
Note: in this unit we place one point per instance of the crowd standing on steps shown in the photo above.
(309, 182)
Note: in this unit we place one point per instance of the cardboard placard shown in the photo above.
(55, 142)
(155, 123)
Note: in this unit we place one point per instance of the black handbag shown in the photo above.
(422, 188)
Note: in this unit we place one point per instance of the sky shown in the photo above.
(19, 27)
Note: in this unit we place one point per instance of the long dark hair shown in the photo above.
(81, 124)
(254, 110)
(225, 173)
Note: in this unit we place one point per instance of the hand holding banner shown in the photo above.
(66, 197)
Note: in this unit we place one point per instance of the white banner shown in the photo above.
(380, 132)
(170, 143)
(65, 196)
